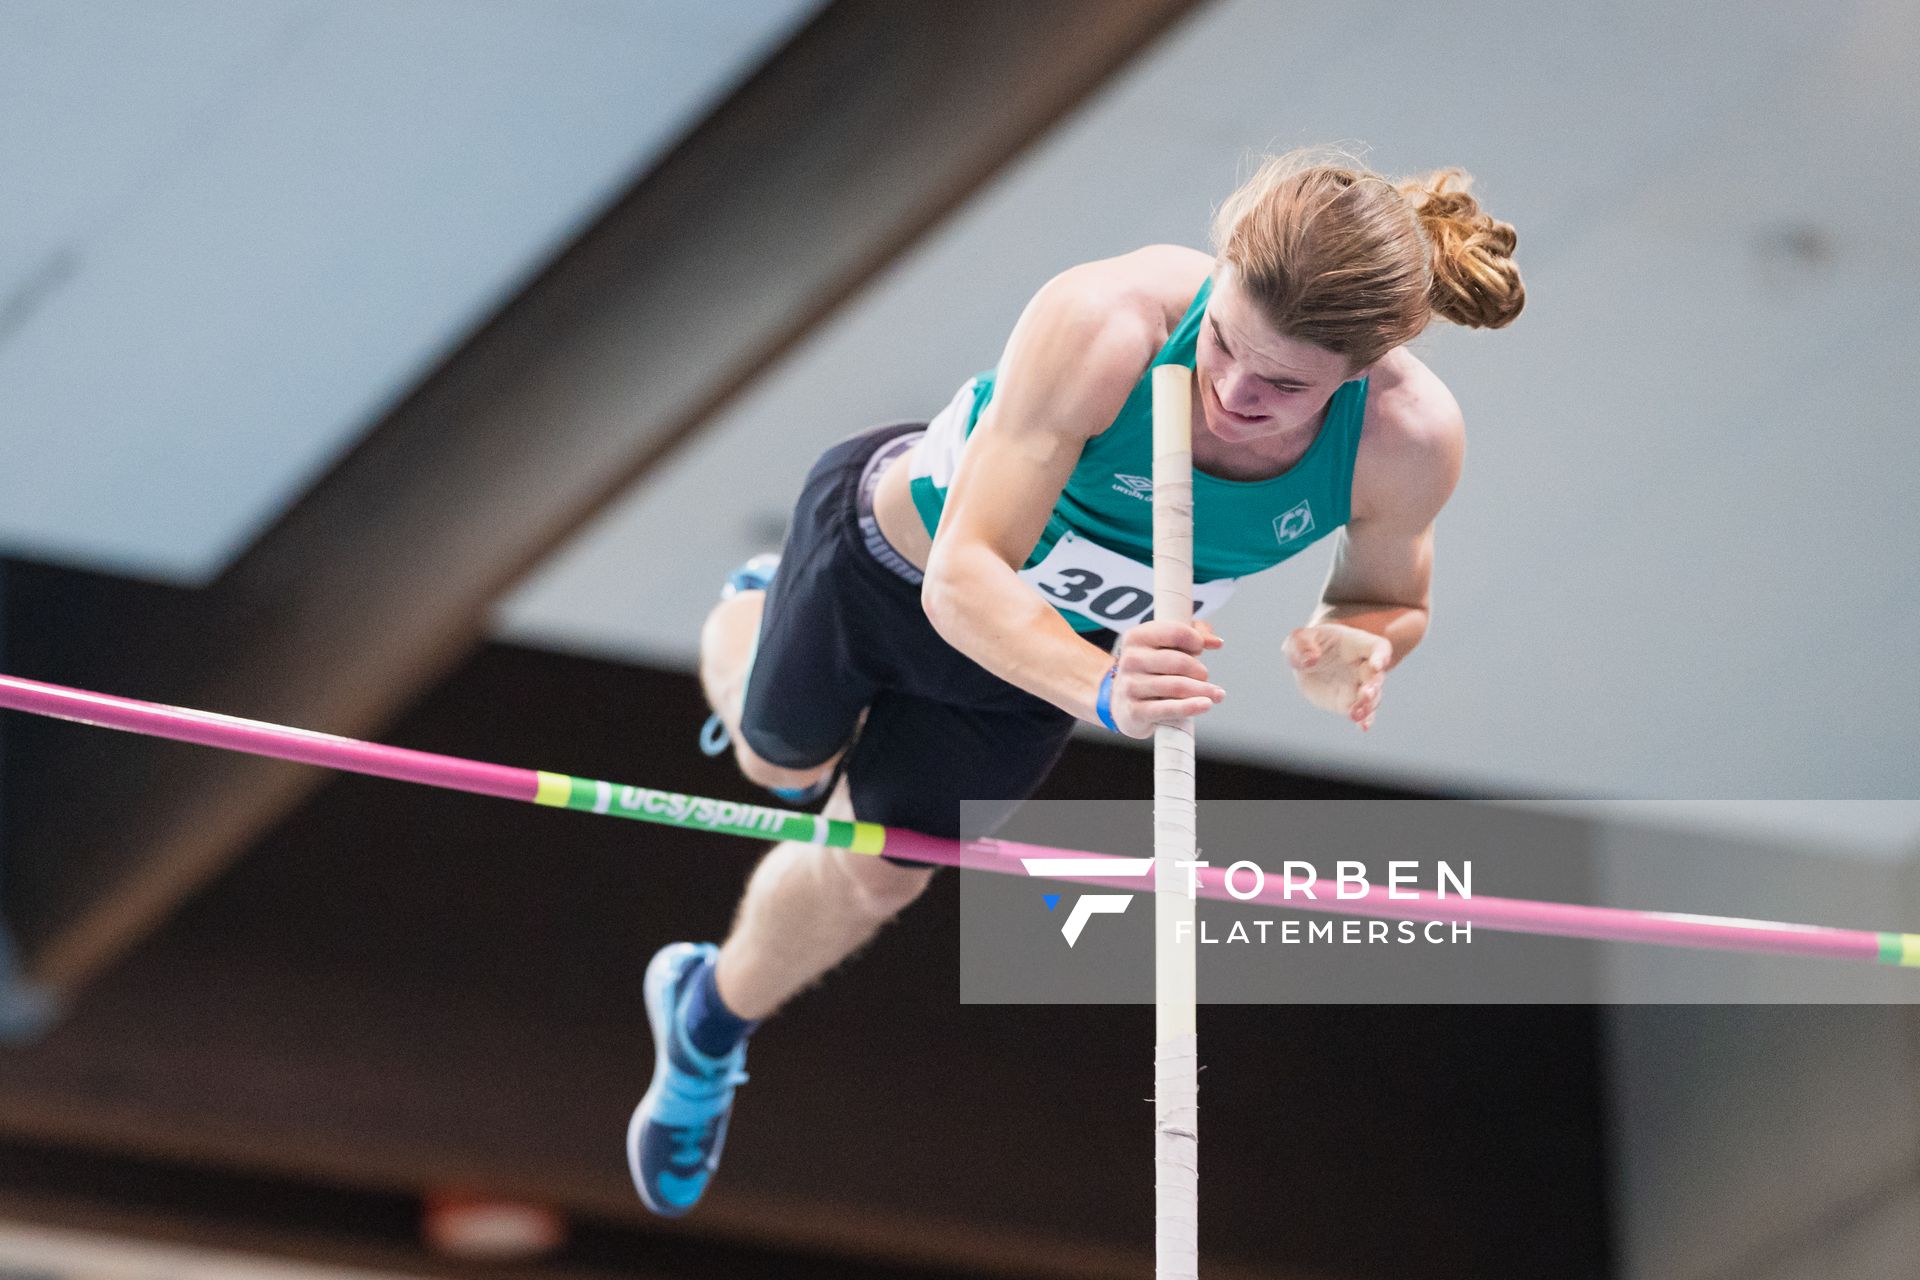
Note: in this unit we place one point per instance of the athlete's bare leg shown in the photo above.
(806, 909)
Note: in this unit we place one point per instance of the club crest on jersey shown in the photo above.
(1297, 523)
(1140, 487)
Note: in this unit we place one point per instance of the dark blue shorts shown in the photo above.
(844, 633)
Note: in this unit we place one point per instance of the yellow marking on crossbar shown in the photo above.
(555, 789)
(868, 837)
(1910, 950)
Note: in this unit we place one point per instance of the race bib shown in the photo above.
(1114, 590)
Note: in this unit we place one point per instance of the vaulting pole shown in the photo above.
(1176, 1069)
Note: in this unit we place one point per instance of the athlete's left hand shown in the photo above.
(1340, 668)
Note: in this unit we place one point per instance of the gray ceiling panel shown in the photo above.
(235, 232)
(1680, 556)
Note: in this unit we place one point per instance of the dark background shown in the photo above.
(401, 989)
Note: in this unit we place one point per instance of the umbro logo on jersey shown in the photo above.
(1297, 523)
(1140, 487)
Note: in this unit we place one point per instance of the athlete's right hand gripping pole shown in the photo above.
(1176, 1115)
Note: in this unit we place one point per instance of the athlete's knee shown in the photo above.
(760, 771)
(771, 759)
(879, 890)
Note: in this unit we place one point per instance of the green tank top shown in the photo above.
(1094, 560)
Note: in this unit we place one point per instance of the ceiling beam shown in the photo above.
(877, 120)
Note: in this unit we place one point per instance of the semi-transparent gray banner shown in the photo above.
(1440, 901)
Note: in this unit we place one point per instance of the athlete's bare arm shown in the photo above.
(1071, 362)
(1380, 584)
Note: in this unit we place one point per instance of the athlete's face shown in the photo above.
(1254, 383)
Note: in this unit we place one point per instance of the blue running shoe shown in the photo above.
(675, 1136)
(755, 575)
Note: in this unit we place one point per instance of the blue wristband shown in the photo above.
(1103, 704)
